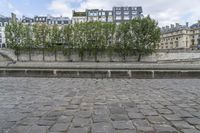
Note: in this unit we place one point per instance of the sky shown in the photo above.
(166, 12)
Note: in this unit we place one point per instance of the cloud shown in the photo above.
(6, 7)
(164, 11)
(63, 7)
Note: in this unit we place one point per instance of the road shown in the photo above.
(50, 105)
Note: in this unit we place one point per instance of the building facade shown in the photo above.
(180, 36)
(99, 15)
(40, 19)
(3, 22)
(78, 17)
(195, 35)
(60, 21)
(123, 14)
(27, 20)
(116, 15)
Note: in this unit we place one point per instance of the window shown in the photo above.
(177, 44)
(110, 13)
(103, 13)
(0, 23)
(126, 18)
(133, 17)
(118, 8)
(118, 18)
(125, 8)
(126, 12)
(118, 12)
(110, 19)
(103, 19)
(134, 12)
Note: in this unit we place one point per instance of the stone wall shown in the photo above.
(160, 56)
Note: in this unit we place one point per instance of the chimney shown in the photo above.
(177, 25)
(187, 24)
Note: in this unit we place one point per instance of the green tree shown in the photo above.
(109, 30)
(15, 36)
(41, 36)
(145, 35)
(123, 37)
(55, 39)
(67, 39)
(28, 39)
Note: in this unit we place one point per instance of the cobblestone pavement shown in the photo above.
(42, 105)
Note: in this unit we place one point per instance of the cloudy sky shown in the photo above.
(164, 11)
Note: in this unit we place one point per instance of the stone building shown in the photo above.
(195, 35)
(3, 22)
(180, 36)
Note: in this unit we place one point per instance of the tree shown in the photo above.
(123, 40)
(28, 39)
(145, 35)
(66, 34)
(55, 39)
(41, 36)
(108, 37)
(14, 32)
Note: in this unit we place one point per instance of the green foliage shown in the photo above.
(145, 35)
(137, 37)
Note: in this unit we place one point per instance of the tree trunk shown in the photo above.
(55, 52)
(18, 52)
(43, 54)
(69, 55)
(139, 57)
(29, 54)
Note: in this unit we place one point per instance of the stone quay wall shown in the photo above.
(159, 56)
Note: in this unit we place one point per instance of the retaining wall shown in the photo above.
(37, 56)
(135, 74)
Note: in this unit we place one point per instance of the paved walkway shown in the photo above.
(101, 65)
(34, 105)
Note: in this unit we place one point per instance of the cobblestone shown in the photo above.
(61, 105)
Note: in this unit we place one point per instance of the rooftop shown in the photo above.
(79, 13)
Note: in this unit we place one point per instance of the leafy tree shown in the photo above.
(145, 35)
(28, 39)
(55, 39)
(123, 40)
(41, 36)
(66, 34)
(14, 36)
(109, 30)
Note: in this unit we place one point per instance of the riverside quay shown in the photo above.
(61, 105)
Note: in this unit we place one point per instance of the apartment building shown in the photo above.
(78, 17)
(116, 15)
(27, 20)
(123, 14)
(60, 21)
(180, 36)
(3, 22)
(99, 15)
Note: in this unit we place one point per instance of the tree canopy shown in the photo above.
(139, 37)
